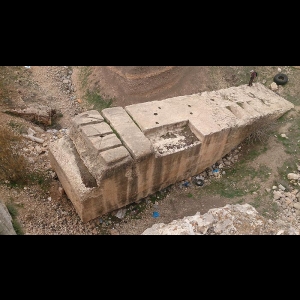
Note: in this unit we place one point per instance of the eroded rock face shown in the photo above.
(228, 220)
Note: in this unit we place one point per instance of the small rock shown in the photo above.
(274, 86)
(281, 187)
(293, 176)
(297, 205)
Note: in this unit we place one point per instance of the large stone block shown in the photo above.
(118, 156)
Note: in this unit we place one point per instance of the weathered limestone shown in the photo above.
(231, 219)
(118, 156)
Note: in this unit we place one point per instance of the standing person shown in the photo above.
(253, 75)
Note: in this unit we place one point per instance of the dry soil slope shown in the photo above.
(136, 84)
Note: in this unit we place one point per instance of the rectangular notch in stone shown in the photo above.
(171, 139)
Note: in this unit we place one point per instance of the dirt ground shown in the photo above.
(49, 212)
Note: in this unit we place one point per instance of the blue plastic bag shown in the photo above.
(155, 214)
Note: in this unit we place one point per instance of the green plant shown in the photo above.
(17, 227)
(240, 180)
(291, 142)
(84, 73)
(256, 203)
(240, 201)
(39, 177)
(97, 101)
(13, 165)
(19, 128)
(92, 95)
(287, 167)
(254, 152)
(12, 209)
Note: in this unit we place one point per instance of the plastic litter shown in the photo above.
(155, 214)
(216, 172)
(121, 213)
(27, 67)
(199, 182)
(186, 184)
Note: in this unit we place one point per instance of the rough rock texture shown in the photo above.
(6, 227)
(228, 220)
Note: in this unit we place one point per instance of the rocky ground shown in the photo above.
(44, 209)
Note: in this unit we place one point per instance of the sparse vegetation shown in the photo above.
(97, 101)
(13, 165)
(261, 133)
(84, 74)
(242, 183)
(12, 209)
(16, 126)
(95, 98)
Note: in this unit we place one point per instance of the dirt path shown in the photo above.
(55, 89)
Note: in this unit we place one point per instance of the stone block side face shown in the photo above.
(168, 169)
(212, 148)
(142, 177)
(113, 193)
(235, 136)
(62, 155)
(119, 187)
(115, 189)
